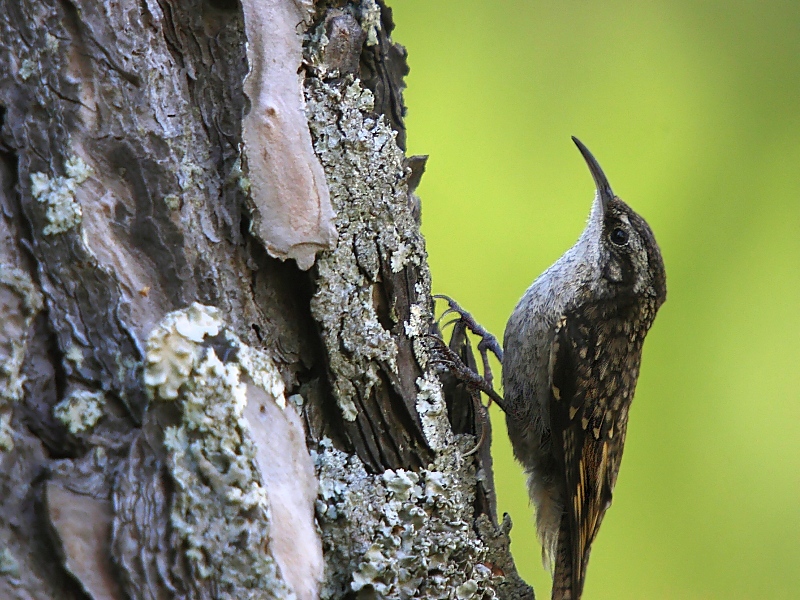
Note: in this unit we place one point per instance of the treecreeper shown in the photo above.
(572, 351)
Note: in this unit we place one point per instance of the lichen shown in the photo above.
(416, 328)
(190, 174)
(172, 202)
(401, 534)
(498, 558)
(51, 42)
(80, 410)
(74, 354)
(366, 177)
(220, 508)
(26, 69)
(371, 20)
(8, 563)
(20, 302)
(401, 257)
(62, 210)
(6, 430)
(433, 412)
(238, 177)
(172, 348)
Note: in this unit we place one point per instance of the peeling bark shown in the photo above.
(214, 299)
(292, 213)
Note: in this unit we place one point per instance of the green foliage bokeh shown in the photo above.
(693, 110)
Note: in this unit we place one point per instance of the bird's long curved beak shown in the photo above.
(604, 193)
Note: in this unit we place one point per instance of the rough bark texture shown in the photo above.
(215, 378)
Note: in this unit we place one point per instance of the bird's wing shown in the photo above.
(586, 436)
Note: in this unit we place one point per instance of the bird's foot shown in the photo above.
(448, 357)
(488, 341)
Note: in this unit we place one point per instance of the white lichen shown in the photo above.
(220, 508)
(51, 42)
(172, 348)
(6, 430)
(401, 534)
(433, 412)
(366, 177)
(401, 483)
(8, 563)
(371, 20)
(262, 370)
(80, 410)
(26, 69)
(402, 256)
(62, 210)
(467, 590)
(172, 202)
(74, 354)
(20, 302)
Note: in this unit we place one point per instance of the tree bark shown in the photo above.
(215, 303)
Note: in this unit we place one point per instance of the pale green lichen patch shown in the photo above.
(401, 534)
(366, 177)
(6, 431)
(220, 508)
(20, 302)
(51, 42)
(80, 410)
(75, 355)
(365, 194)
(172, 201)
(467, 590)
(263, 372)
(371, 20)
(433, 412)
(190, 174)
(26, 69)
(238, 177)
(172, 347)
(416, 328)
(62, 210)
(8, 563)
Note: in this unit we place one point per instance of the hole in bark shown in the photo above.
(222, 347)
(382, 308)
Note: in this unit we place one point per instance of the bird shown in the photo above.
(571, 356)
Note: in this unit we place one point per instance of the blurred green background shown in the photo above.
(693, 110)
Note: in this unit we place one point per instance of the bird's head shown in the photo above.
(628, 258)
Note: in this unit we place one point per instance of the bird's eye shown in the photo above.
(619, 236)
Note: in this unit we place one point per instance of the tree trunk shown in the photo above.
(215, 304)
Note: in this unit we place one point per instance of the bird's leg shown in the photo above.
(482, 413)
(445, 354)
(488, 341)
(475, 384)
